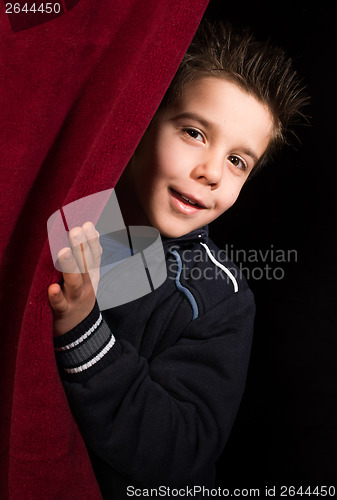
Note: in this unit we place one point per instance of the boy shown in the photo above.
(155, 384)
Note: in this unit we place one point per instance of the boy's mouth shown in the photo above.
(187, 200)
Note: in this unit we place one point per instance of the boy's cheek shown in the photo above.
(224, 206)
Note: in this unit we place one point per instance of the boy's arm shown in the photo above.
(163, 421)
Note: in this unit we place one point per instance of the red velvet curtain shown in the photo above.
(79, 86)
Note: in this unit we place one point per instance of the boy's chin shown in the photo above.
(175, 231)
(175, 227)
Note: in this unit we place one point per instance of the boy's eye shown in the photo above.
(238, 162)
(194, 133)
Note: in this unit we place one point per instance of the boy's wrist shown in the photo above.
(80, 351)
(84, 326)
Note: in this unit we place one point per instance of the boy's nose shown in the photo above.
(210, 171)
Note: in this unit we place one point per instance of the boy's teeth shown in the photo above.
(190, 201)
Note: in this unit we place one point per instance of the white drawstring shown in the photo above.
(227, 271)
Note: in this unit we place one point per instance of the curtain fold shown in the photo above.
(78, 90)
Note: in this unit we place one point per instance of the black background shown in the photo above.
(286, 430)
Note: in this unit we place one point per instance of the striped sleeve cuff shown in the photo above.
(86, 349)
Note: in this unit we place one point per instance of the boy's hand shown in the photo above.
(72, 302)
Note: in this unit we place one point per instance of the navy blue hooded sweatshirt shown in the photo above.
(155, 384)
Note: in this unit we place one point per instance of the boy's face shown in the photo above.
(201, 150)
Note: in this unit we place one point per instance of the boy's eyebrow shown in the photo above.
(251, 153)
(205, 123)
(193, 116)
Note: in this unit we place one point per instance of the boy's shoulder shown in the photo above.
(204, 269)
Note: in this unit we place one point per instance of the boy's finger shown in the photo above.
(93, 243)
(66, 261)
(73, 279)
(81, 250)
(57, 300)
